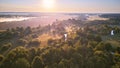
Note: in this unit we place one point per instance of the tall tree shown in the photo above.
(37, 63)
(21, 63)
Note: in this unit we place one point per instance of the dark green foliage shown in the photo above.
(22, 42)
(104, 47)
(52, 55)
(13, 56)
(118, 50)
(34, 43)
(32, 53)
(98, 38)
(5, 47)
(19, 52)
(5, 35)
(37, 63)
(1, 58)
(19, 47)
(50, 42)
(21, 63)
(28, 30)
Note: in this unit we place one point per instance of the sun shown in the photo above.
(48, 4)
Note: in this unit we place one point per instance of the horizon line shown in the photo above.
(55, 12)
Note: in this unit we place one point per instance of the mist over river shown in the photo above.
(24, 19)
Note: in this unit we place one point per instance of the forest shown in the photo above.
(89, 45)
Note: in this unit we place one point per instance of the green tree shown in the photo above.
(98, 38)
(104, 47)
(34, 43)
(37, 63)
(13, 56)
(1, 59)
(22, 42)
(5, 47)
(32, 53)
(21, 63)
(28, 30)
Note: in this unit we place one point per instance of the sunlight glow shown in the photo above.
(48, 4)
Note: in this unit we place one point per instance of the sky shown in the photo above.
(83, 6)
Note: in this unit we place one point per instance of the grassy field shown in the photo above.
(45, 37)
